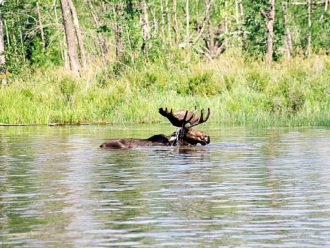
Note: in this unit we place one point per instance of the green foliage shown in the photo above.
(287, 96)
(122, 65)
(257, 80)
(229, 81)
(25, 48)
(67, 87)
(201, 84)
(26, 92)
(23, 44)
(295, 101)
(131, 87)
(103, 77)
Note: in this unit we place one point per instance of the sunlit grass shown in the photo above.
(238, 91)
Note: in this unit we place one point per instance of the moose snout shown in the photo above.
(206, 140)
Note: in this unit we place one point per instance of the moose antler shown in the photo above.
(183, 117)
(201, 119)
(179, 118)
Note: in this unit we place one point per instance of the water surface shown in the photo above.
(248, 188)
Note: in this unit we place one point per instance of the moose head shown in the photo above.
(185, 120)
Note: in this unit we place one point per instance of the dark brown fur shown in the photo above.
(193, 137)
(155, 140)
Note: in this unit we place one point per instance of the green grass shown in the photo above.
(238, 91)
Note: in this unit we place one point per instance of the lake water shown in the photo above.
(248, 188)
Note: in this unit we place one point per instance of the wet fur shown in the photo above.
(155, 140)
(187, 137)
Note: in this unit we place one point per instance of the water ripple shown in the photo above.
(248, 188)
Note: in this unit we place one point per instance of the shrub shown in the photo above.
(200, 84)
(295, 101)
(257, 81)
(67, 87)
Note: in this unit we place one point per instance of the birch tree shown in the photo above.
(2, 51)
(309, 32)
(326, 4)
(78, 33)
(145, 26)
(41, 27)
(168, 22)
(101, 40)
(242, 24)
(118, 13)
(287, 33)
(70, 36)
(187, 38)
(270, 30)
(175, 23)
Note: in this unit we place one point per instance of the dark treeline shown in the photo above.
(71, 33)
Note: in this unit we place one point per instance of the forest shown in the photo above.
(260, 63)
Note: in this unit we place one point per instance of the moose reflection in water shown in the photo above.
(185, 135)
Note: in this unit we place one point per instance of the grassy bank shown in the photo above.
(238, 91)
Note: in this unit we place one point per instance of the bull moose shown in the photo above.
(185, 135)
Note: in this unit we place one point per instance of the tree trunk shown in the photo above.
(208, 5)
(162, 26)
(2, 55)
(70, 37)
(118, 12)
(309, 34)
(242, 17)
(214, 45)
(7, 32)
(326, 4)
(155, 28)
(209, 41)
(270, 29)
(64, 55)
(145, 26)
(101, 40)
(41, 27)
(22, 44)
(288, 39)
(226, 22)
(168, 20)
(175, 23)
(78, 34)
(237, 19)
(187, 23)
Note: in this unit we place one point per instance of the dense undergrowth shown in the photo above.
(239, 92)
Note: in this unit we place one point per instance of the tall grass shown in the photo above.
(238, 91)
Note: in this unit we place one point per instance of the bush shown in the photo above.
(67, 87)
(201, 84)
(257, 80)
(286, 97)
(295, 101)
